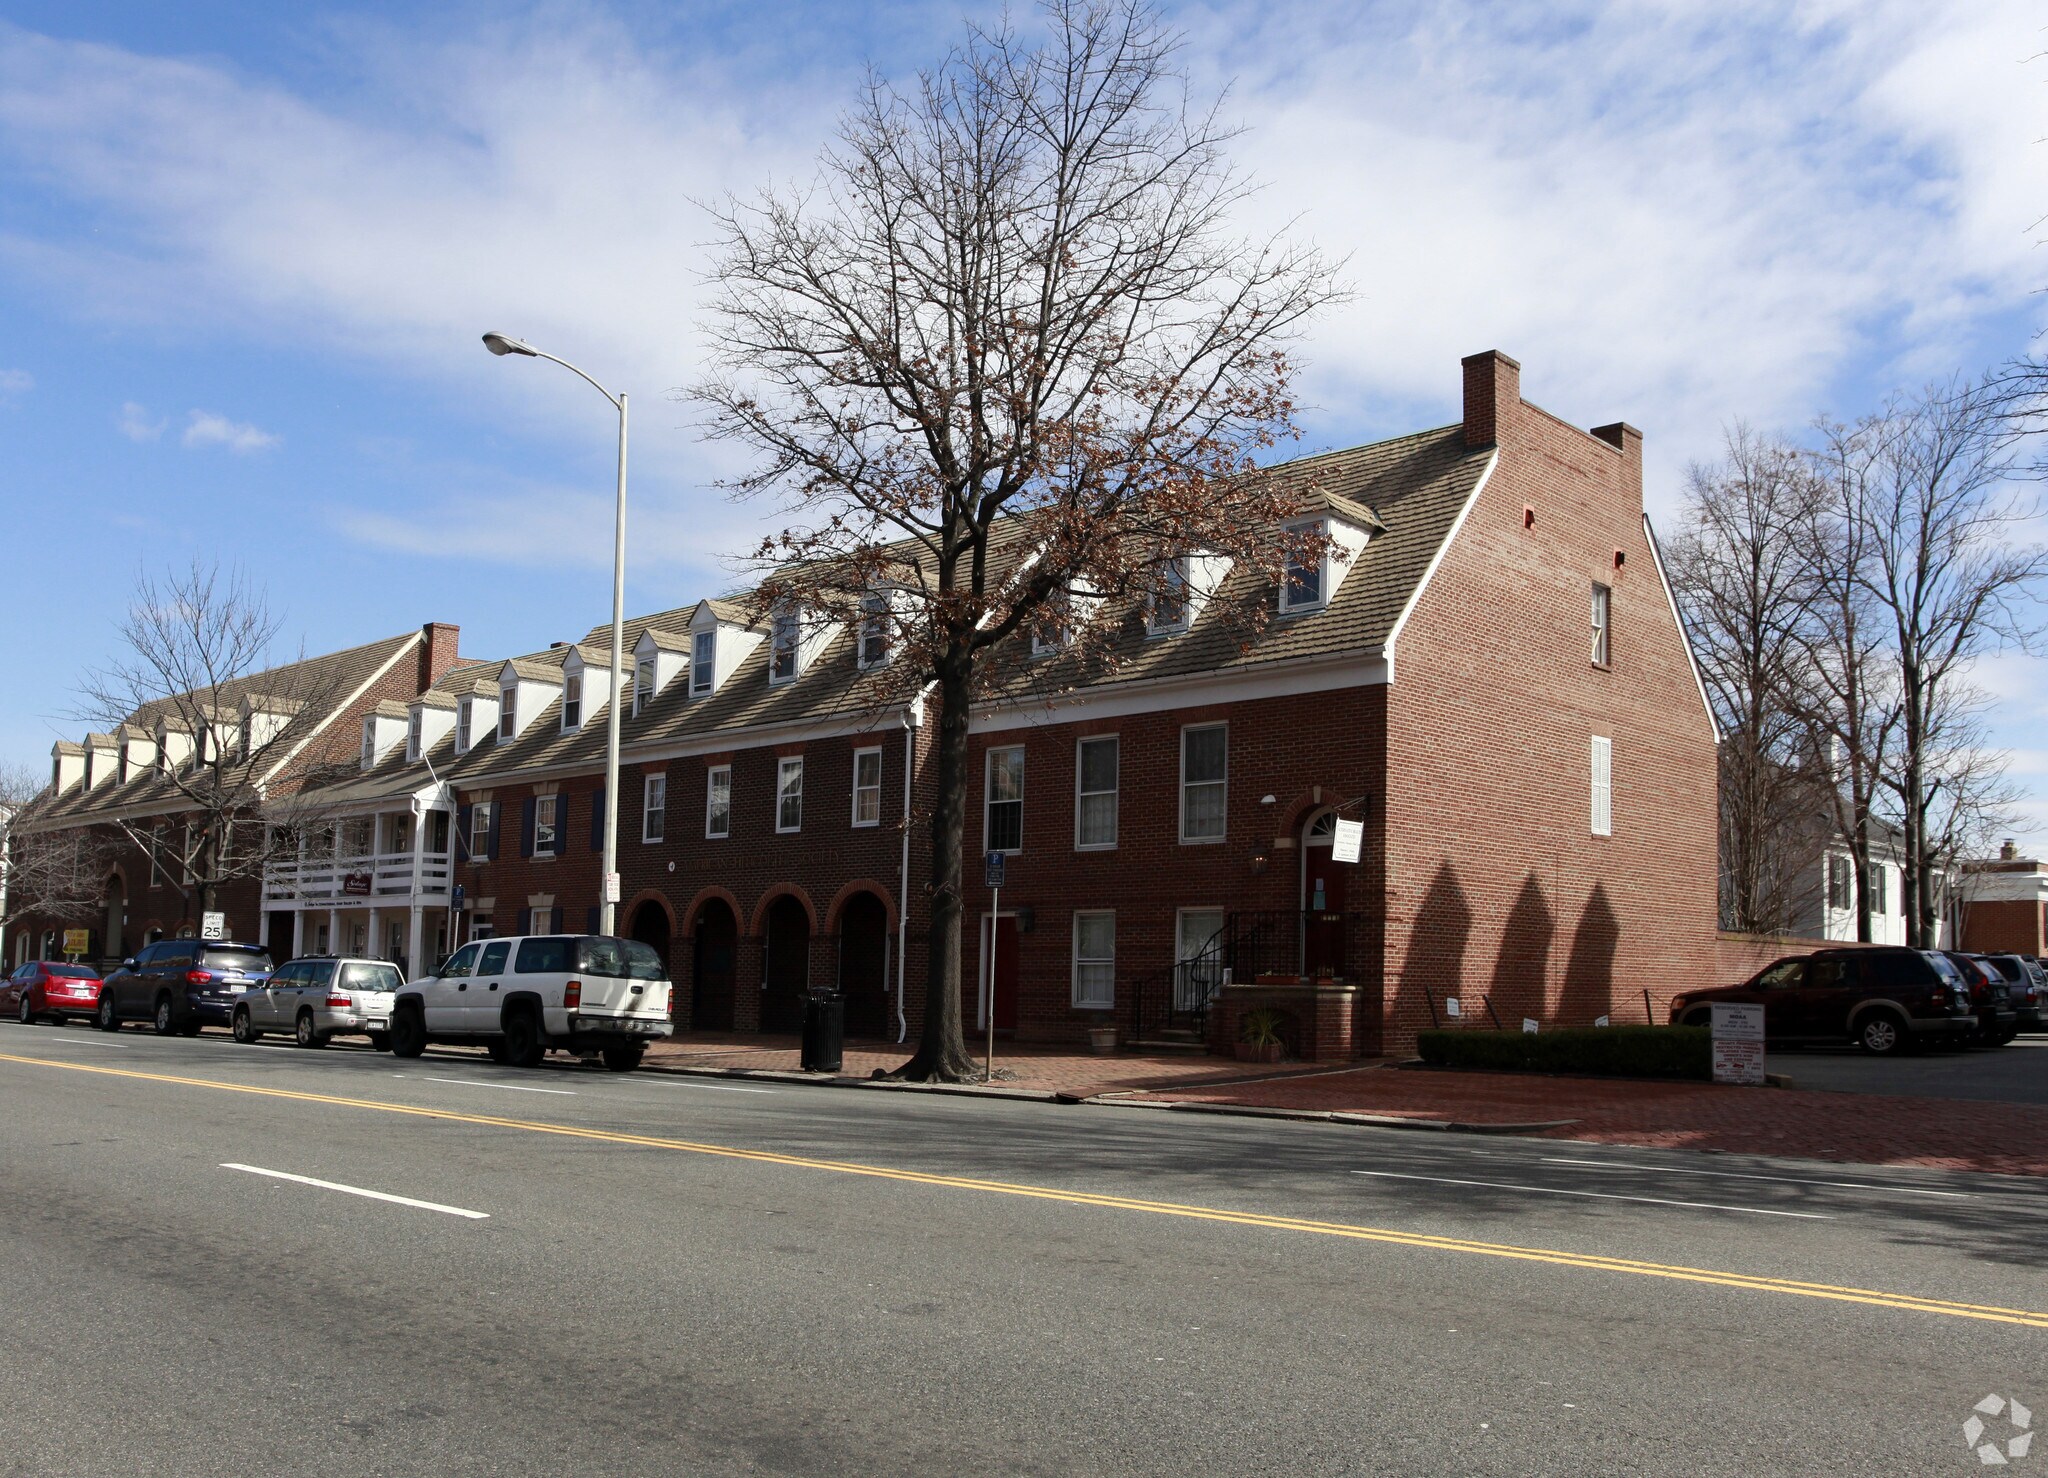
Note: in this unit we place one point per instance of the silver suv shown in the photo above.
(316, 999)
(591, 994)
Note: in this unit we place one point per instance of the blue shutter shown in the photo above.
(525, 920)
(590, 924)
(561, 823)
(491, 843)
(526, 829)
(462, 832)
(597, 804)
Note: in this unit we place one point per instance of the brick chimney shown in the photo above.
(1493, 388)
(438, 642)
(2010, 852)
(1625, 439)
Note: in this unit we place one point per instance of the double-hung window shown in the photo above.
(1169, 599)
(1095, 785)
(538, 921)
(1603, 611)
(508, 712)
(544, 809)
(643, 684)
(1003, 817)
(480, 830)
(1095, 960)
(1838, 883)
(783, 638)
(789, 793)
(874, 632)
(1302, 589)
(1204, 781)
(867, 787)
(572, 701)
(1603, 786)
(703, 662)
(654, 809)
(718, 802)
(462, 726)
(369, 743)
(412, 735)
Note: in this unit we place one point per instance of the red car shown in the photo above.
(52, 989)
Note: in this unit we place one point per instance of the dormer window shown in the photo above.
(703, 662)
(572, 702)
(643, 684)
(508, 712)
(1170, 600)
(462, 709)
(369, 743)
(784, 635)
(874, 632)
(1306, 585)
(412, 735)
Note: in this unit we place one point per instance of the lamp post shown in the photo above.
(503, 344)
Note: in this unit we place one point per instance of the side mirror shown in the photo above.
(128, 964)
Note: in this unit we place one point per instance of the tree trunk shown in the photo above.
(942, 1049)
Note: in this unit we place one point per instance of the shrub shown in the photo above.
(1615, 1051)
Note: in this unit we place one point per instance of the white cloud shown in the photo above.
(205, 428)
(137, 425)
(15, 382)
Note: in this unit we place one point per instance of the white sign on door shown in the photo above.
(1347, 840)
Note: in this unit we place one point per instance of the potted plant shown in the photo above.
(1102, 1039)
(1258, 1036)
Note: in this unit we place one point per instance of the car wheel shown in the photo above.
(245, 1029)
(27, 1012)
(108, 1019)
(1699, 1018)
(166, 1019)
(380, 1041)
(307, 1033)
(408, 1034)
(624, 1059)
(524, 1045)
(497, 1051)
(1881, 1034)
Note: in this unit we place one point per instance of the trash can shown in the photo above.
(824, 1032)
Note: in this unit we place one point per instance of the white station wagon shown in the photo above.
(522, 997)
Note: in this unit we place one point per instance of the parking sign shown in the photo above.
(992, 868)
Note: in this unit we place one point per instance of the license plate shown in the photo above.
(378, 1023)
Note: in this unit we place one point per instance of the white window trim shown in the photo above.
(1156, 627)
(648, 785)
(369, 754)
(643, 683)
(988, 801)
(796, 652)
(876, 788)
(480, 824)
(783, 767)
(572, 692)
(1074, 955)
(508, 712)
(554, 805)
(1181, 807)
(1116, 810)
(463, 726)
(1289, 607)
(1602, 785)
(1603, 630)
(874, 613)
(703, 675)
(415, 726)
(710, 788)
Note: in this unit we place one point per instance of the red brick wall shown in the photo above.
(1496, 887)
(2004, 927)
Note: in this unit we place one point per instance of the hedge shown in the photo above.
(1616, 1051)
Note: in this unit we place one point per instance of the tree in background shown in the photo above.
(1008, 365)
(55, 876)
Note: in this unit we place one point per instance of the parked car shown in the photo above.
(50, 989)
(1990, 998)
(524, 996)
(319, 998)
(180, 985)
(1883, 998)
(2034, 1010)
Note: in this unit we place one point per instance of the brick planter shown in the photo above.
(1317, 1016)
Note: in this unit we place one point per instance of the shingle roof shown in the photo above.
(539, 669)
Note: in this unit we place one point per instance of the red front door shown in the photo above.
(1001, 961)
(1322, 903)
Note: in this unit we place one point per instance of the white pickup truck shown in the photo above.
(524, 996)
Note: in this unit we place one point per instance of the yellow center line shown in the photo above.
(1594, 1262)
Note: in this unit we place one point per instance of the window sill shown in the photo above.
(1094, 1005)
(865, 825)
(1203, 841)
(1095, 846)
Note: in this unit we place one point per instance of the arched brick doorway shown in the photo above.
(715, 943)
(650, 927)
(786, 964)
(864, 964)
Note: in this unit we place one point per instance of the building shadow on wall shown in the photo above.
(1589, 973)
(1521, 973)
(1435, 958)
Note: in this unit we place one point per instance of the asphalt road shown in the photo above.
(649, 1274)
(2014, 1073)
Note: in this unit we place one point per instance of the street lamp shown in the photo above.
(504, 344)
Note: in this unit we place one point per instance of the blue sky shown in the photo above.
(246, 250)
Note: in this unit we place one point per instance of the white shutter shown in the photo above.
(1603, 787)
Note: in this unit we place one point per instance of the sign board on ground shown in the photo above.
(1452, 1009)
(1347, 841)
(992, 869)
(1738, 1043)
(77, 941)
(1528, 1025)
(213, 926)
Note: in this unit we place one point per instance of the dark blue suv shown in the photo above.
(180, 985)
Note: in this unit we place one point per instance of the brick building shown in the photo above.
(1488, 675)
(275, 736)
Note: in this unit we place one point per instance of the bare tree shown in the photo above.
(54, 876)
(1739, 569)
(1008, 363)
(194, 678)
(1942, 551)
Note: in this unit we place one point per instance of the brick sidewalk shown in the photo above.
(1867, 1129)
(1032, 1069)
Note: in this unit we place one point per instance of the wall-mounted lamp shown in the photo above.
(1267, 800)
(1258, 862)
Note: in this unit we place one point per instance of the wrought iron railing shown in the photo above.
(1292, 942)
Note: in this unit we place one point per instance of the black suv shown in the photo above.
(1996, 1000)
(181, 984)
(1881, 998)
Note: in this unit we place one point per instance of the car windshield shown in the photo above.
(371, 977)
(626, 959)
(1944, 967)
(74, 972)
(236, 957)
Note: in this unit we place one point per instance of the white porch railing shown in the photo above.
(338, 881)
